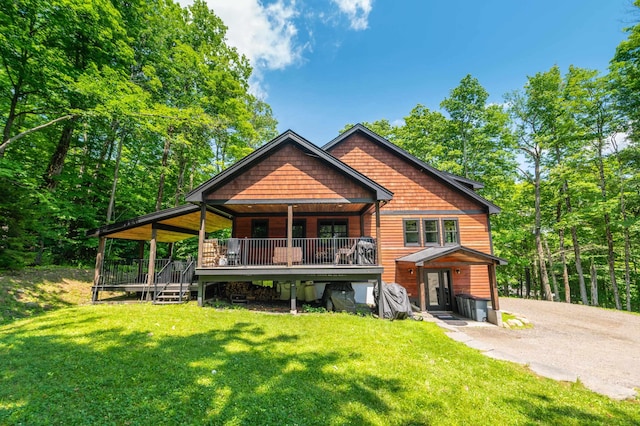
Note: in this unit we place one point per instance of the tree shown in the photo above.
(535, 112)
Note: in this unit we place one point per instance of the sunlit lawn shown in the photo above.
(145, 364)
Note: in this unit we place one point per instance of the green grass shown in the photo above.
(180, 364)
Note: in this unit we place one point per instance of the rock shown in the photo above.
(31, 305)
(515, 323)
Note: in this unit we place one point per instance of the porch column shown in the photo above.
(379, 260)
(99, 262)
(202, 233)
(294, 309)
(421, 285)
(153, 246)
(493, 287)
(289, 235)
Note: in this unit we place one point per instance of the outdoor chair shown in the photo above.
(233, 251)
(345, 254)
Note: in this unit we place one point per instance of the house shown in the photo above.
(359, 209)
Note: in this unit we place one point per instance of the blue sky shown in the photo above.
(321, 64)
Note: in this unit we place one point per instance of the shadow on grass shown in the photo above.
(241, 375)
(69, 368)
(34, 291)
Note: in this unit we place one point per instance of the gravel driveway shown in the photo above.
(568, 342)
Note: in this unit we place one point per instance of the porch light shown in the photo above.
(457, 270)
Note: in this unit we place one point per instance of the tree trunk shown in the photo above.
(611, 256)
(11, 116)
(627, 242)
(182, 165)
(112, 198)
(527, 281)
(57, 159)
(594, 284)
(576, 251)
(553, 276)
(544, 277)
(165, 158)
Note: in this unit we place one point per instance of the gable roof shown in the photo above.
(461, 184)
(432, 253)
(198, 194)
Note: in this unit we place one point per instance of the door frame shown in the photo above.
(443, 289)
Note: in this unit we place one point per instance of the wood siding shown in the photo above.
(290, 174)
(412, 189)
(414, 193)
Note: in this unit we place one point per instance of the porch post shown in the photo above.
(493, 287)
(294, 309)
(153, 246)
(379, 260)
(421, 285)
(201, 233)
(99, 262)
(289, 235)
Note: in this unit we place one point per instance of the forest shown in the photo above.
(113, 109)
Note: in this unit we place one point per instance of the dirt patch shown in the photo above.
(32, 291)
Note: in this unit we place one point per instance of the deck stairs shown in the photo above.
(172, 294)
(173, 282)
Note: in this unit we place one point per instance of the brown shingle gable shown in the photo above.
(444, 178)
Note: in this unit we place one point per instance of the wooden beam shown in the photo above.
(493, 287)
(421, 287)
(294, 309)
(379, 260)
(289, 235)
(171, 228)
(98, 269)
(153, 247)
(202, 233)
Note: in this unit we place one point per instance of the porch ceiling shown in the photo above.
(171, 225)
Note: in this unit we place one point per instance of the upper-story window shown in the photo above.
(411, 232)
(431, 232)
(450, 231)
(260, 228)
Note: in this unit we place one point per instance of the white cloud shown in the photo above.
(266, 32)
(357, 11)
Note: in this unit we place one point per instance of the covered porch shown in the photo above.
(441, 274)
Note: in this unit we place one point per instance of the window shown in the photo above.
(334, 228)
(299, 228)
(411, 232)
(450, 227)
(260, 228)
(431, 232)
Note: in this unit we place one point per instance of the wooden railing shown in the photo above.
(273, 251)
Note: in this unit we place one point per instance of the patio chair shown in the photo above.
(346, 254)
(233, 251)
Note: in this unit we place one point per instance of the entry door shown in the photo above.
(438, 290)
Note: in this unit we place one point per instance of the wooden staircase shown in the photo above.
(172, 294)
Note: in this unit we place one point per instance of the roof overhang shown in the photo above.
(170, 225)
(199, 194)
(455, 254)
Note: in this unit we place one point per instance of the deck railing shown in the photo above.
(273, 251)
(128, 271)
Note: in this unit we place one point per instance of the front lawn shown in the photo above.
(145, 364)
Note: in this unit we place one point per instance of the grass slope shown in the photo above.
(145, 364)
